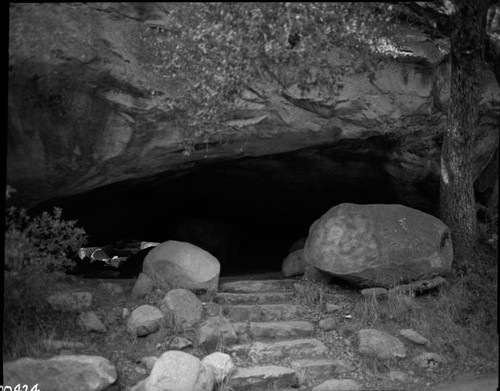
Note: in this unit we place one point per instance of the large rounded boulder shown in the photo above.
(174, 264)
(379, 245)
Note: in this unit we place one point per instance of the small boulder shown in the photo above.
(70, 301)
(297, 245)
(178, 343)
(220, 364)
(179, 371)
(182, 306)
(149, 362)
(174, 264)
(378, 343)
(144, 320)
(214, 331)
(379, 245)
(90, 322)
(294, 264)
(142, 286)
(61, 373)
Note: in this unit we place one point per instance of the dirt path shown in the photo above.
(471, 382)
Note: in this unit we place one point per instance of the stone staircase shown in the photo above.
(276, 346)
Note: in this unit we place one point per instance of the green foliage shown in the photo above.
(41, 244)
(215, 50)
(36, 250)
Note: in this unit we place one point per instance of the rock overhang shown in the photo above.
(86, 123)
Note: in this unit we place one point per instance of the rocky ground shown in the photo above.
(281, 323)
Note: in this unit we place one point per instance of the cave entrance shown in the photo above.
(246, 212)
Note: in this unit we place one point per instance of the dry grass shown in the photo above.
(314, 295)
(207, 296)
(458, 319)
(224, 385)
(377, 365)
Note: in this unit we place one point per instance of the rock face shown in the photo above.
(379, 245)
(87, 92)
(61, 373)
(182, 265)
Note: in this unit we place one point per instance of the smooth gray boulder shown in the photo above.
(174, 264)
(379, 245)
(179, 371)
(294, 264)
(144, 320)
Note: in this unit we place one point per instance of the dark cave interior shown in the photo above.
(246, 212)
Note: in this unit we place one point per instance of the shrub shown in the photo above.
(36, 250)
(42, 244)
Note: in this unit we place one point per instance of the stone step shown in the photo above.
(280, 330)
(263, 313)
(257, 286)
(264, 331)
(262, 378)
(313, 371)
(253, 298)
(264, 352)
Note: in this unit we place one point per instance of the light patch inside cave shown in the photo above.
(247, 212)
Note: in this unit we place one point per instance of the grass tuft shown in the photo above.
(314, 294)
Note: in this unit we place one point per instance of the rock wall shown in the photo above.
(85, 105)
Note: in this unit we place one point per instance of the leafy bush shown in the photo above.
(36, 250)
(42, 244)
